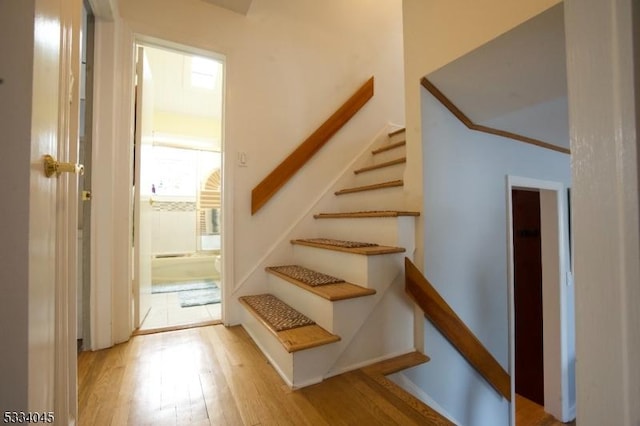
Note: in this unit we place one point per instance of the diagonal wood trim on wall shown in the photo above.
(443, 317)
(271, 184)
(431, 88)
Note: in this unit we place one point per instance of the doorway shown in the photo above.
(527, 283)
(84, 155)
(177, 235)
(541, 320)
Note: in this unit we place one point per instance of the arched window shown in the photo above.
(209, 203)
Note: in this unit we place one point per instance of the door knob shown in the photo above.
(51, 167)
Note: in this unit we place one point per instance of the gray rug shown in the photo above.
(182, 286)
(199, 297)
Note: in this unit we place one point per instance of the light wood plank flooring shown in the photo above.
(528, 413)
(216, 375)
(166, 312)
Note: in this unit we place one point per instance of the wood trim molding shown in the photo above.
(431, 88)
(443, 317)
(275, 180)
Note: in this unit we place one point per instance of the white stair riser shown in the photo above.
(336, 317)
(381, 230)
(345, 311)
(367, 271)
(311, 365)
(315, 307)
(385, 174)
(390, 154)
(397, 138)
(269, 345)
(387, 332)
(297, 369)
(378, 199)
(349, 267)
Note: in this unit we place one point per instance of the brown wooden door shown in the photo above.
(529, 369)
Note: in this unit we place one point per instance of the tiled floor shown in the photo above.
(167, 312)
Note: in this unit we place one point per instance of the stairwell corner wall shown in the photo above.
(289, 64)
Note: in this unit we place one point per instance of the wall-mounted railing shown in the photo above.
(275, 180)
(485, 129)
(455, 330)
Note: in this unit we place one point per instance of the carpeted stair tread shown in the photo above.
(339, 243)
(388, 147)
(305, 275)
(368, 250)
(293, 339)
(277, 314)
(332, 292)
(390, 163)
(364, 214)
(397, 132)
(381, 185)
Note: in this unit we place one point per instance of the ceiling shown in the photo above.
(516, 82)
(105, 8)
(173, 91)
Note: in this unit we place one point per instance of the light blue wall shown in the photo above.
(465, 240)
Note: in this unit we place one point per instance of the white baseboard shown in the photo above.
(401, 380)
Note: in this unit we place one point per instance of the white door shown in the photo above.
(143, 192)
(36, 115)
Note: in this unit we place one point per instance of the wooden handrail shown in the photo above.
(455, 330)
(431, 88)
(303, 153)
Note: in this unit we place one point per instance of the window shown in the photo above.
(204, 72)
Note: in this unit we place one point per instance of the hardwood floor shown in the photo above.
(528, 413)
(217, 376)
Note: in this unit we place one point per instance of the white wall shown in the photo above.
(435, 33)
(289, 65)
(604, 140)
(173, 232)
(465, 243)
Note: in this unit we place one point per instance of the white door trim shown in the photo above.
(111, 214)
(555, 287)
(226, 229)
(66, 396)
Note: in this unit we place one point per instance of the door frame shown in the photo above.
(556, 283)
(66, 391)
(226, 224)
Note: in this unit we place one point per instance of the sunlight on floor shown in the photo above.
(167, 312)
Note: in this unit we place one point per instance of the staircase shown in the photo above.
(342, 292)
